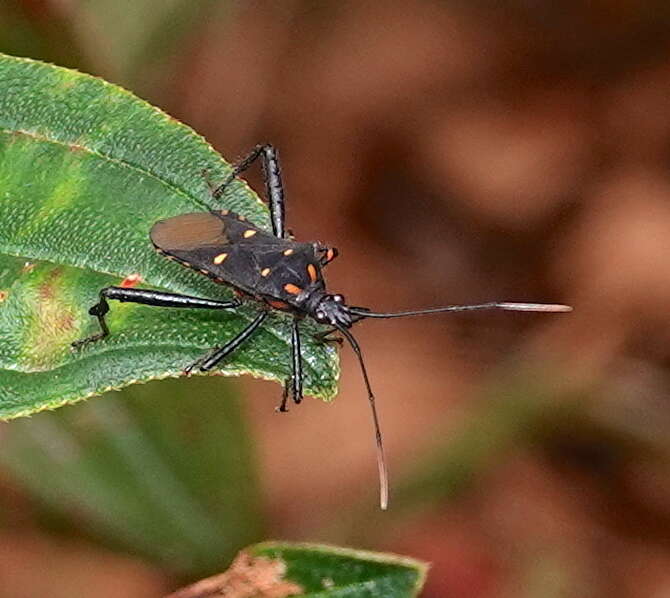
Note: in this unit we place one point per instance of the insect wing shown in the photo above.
(202, 241)
(188, 232)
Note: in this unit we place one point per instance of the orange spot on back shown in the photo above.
(291, 288)
(311, 270)
(265, 271)
(288, 251)
(249, 233)
(219, 258)
(130, 281)
(277, 304)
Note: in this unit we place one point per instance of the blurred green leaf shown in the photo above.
(164, 470)
(41, 30)
(277, 569)
(86, 169)
(142, 35)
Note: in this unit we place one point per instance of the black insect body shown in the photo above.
(282, 273)
(271, 269)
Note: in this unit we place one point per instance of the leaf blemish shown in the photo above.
(247, 577)
(47, 288)
(52, 322)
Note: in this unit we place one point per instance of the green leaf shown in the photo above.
(311, 570)
(86, 169)
(163, 469)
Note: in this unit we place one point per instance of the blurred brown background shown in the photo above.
(454, 152)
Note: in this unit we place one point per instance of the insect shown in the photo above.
(275, 271)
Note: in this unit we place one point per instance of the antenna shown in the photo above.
(381, 458)
(362, 312)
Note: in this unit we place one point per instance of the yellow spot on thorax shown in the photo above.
(265, 271)
(291, 288)
(288, 251)
(249, 233)
(219, 258)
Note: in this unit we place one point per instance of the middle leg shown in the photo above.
(210, 360)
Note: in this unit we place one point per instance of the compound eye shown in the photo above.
(338, 298)
(320, 316)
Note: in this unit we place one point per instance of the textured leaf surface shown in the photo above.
(163, 469)
(86, 169)
(273, 569)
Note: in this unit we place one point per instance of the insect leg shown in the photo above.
(284, 397)
(296, 373)
(210, 360)
(294, 381)
(145, 297)
(273, 183)
(325, 337)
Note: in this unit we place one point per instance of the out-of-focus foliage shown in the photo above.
(282, 569)
(164, 470)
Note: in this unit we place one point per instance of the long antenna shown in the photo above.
(381, 458)
(362, 312)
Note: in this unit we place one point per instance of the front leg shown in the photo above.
(325, 337)
(296, 376)
(145, 297)
(294, 382)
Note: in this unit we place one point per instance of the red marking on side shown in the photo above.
(311, 270)
(277, 304)
(130, 281)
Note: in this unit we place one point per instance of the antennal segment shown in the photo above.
(504, 305)
(381, 457)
